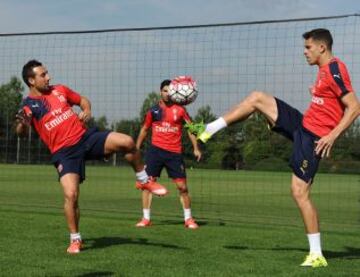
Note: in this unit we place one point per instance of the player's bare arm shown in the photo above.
(142, 135)
(85, 106)
(352, 111)
(197, 152)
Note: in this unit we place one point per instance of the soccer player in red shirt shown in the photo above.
(333, 108)
(49, 109)
(166, 121)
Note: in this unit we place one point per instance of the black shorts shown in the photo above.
(72, 159)
(157, 158)
(304, 160)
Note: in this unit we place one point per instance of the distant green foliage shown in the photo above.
(101, 123)
(152, 99)
(246, 145)
(10, 95)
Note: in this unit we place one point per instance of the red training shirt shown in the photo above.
(326, 108)
(167, 123)
(53, 118)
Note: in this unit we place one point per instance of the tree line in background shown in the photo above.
(248, 145)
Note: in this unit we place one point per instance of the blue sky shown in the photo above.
(54, 15)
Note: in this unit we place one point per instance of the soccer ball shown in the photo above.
(182, 90)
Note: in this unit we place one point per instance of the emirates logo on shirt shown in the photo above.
(166, 128)
(63, 116)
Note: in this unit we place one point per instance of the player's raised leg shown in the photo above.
(256, 101)
(70, 183)
(116, 142)
(301, 194)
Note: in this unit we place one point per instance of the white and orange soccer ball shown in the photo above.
(182, 90)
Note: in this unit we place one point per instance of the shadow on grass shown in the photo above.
(349, 252)
(178, 222)
(103, 242)
(97, 273)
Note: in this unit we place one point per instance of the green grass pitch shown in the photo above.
(249, 225)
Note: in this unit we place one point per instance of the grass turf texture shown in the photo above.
(249, 225)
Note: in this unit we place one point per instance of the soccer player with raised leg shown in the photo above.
(49, 109)
(166, 121)
(333, 108)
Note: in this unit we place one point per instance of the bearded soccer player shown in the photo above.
(333, 108)
(49, 109)
(166, 120)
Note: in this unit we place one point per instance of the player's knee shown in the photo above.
(299, 195)
(128, 144)
(255, 98)
(119, 142)
(183, 188)
(71, 198)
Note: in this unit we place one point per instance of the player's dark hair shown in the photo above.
(323, 35)
(28, 70)
(165, 83)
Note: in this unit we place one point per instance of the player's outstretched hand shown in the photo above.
(324, 146)
(23, 117)
(84, 116)
(197, 154)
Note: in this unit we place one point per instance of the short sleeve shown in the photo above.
(148, 119)
(341, 83)
(73, 97)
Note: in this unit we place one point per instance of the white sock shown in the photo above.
(142, 176)
(187, 214)
(215, 126)
(315, 243)
(75, 236)
(146, 214)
